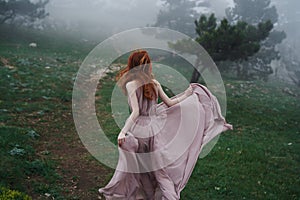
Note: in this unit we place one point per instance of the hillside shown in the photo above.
(41, 154)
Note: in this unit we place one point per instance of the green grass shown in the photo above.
(33, 84)
(259, 159)
(19, 163)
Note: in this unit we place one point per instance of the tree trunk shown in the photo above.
(238, 69)
(195, 76)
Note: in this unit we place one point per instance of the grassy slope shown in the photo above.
(258, 160)
(35, 95)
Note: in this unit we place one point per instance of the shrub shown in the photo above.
(8, 194)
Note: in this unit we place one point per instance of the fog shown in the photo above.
(289, 18)
(99, 19)
(109, 17)
(103, 16)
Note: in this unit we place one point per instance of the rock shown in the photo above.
(289, 92)
(33, 45)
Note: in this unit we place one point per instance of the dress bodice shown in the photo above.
(146, 106)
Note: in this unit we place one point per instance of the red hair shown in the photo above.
(139, 67)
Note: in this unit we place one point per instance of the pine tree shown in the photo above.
(21, 11)
(225, 41)
(179, 15)
(255, 12)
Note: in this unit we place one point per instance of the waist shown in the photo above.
(147, 115)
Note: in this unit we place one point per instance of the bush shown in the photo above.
(7, 194)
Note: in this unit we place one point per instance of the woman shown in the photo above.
(165, 139)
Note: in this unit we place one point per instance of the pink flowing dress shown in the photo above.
(162, 147)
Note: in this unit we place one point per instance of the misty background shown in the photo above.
(104, 16)
(271, 51)
(99, 19)
(108, 17)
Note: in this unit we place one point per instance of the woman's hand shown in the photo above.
(188, 91)
(121, 138)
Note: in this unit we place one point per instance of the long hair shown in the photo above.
(139, 67)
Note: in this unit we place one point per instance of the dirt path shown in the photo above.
(81, 174)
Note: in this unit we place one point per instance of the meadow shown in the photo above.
(42, 156)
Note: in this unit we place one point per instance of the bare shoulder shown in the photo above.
(131, 85)
(156, 82)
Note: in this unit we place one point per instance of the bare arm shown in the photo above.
(170, 102)
(131, 88)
